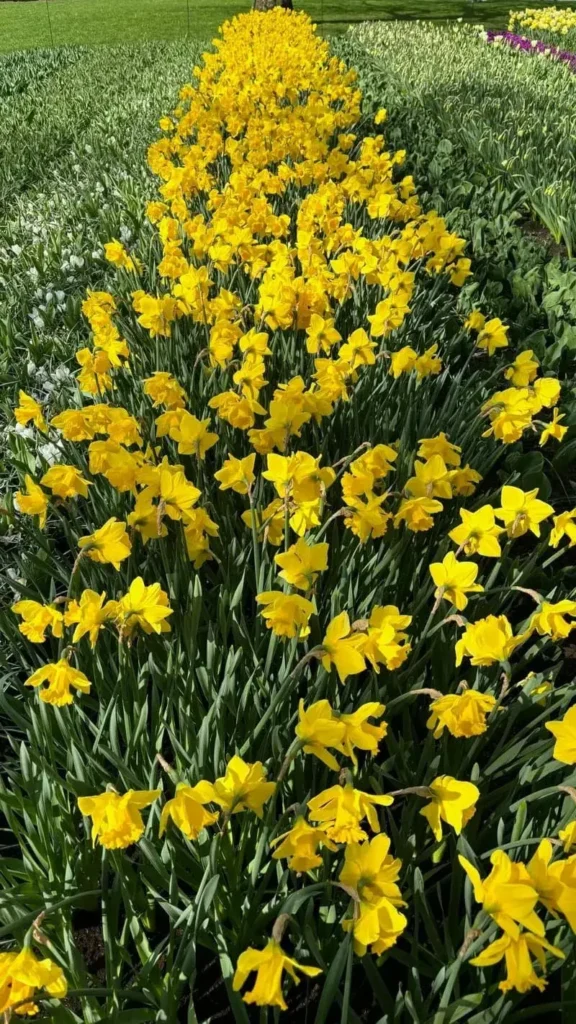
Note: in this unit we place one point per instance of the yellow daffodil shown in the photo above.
(522, 511)
(507, 894)
(29, 411)
(199, 528)
(116, 253)
(321, 334)
(146, 607)
(492, 336)
(302, 563)
(342, 648)
(359, 732)
(89, 615)
(523, 370)
(478, 533)
(144, 518)
(417, 513)
(428, 363)
(269, 965)
(454, 580)
(383, 640)
(299, 475)
(358, 350)
(403, 361)
(157, 313)
(33, 502)
(462, 714)
(300, 846)
(116, 819)
(452, 801)
(440, 445)
(21, 973)
(242, 788)
(475, 321)
(463, 480)
(269, 522)
(366, 519)
(65, 482)
(487, 641)
(109, 545)
(516, 951)
(318, 728)
(192, 435)
(176, 495)
(164, 389)
(553, 429)
(236, 474)
(61, 677)
(568, 836)
(431, 479)
(377, 925)
(371, 871)
(564, 526)
(550, 619)
(186, 809)
(286, 614)
(340, 809)
(37, 619)
(564, 733)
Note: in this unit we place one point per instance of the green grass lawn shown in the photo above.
(61, 22)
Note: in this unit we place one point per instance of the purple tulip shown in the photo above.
(533, 46)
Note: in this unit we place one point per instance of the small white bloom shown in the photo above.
(25, 432)
(49, 452)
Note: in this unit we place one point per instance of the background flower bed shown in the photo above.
(225, 643)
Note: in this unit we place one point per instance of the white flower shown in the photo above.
(25, 432)
(49, 452)
(62, 373)
(12, 573)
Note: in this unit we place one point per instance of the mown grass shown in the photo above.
(76, 22)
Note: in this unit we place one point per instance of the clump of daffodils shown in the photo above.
(215, 439)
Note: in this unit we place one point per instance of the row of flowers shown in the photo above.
(291, 259)
(528, 45)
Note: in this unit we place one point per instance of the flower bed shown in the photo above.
(287, 657)
(551, 24)
(528, 45)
